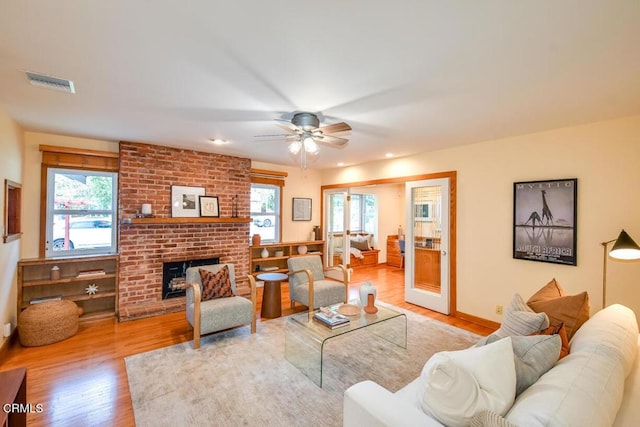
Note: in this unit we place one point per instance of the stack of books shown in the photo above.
(91, 273)
(331, 322)
(45, 299)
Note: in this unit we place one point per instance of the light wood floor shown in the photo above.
(82, 381)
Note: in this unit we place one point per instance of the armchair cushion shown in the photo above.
(215, 285)
(326, 290)
(312, 263)
(217, 314)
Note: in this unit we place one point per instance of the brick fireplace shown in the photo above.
(147, 173)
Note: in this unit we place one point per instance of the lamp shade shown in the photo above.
(625, 247)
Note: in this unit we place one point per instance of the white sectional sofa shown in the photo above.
(597, 384)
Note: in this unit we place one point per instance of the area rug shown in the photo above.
(241, 379)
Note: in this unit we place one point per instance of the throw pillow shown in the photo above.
(533, 356)
(549, 291)
(562, 332)
(519, 319)
(456, 385)
(215, 285)
(360, 244)
(572, 310)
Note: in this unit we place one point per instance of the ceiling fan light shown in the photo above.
(294, 147)
(310, 145)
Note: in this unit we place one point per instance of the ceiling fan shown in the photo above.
(305, 133)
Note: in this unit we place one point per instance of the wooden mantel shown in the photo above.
(188, 220)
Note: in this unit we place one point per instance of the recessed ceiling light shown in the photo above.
(341, 164)
(219, 141)
(388, 155)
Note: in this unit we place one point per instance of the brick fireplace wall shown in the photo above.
(147, 173)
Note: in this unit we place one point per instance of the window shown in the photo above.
(363, 213)
(265, 212)
(81, 212)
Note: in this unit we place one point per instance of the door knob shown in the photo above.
(444, 253)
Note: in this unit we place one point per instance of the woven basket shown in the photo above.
(48, 322)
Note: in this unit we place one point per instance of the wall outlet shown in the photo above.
(6, 330)
(498, 309)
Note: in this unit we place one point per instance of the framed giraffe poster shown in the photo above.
(544, 220)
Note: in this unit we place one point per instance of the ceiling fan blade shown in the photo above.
(331, 141)
(336, 127)
(288, 126)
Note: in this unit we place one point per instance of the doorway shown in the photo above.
(450, 223)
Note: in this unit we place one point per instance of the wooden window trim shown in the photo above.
(12, 229)
(263, 176)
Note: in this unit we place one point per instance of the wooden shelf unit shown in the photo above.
(289, 249)
(34, 281)
(395, 258)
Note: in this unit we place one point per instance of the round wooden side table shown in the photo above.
(271, 297)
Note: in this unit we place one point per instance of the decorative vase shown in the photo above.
(55, 273)
(255, 240)
(367, 288)
(264, 253)
(302, 249)
(370, 308)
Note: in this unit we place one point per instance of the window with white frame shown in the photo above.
(265, 212)
(81, 212)
(363, 213)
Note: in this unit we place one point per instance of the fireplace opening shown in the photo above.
(174, 275)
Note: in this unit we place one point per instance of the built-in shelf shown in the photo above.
(35, 282)
(194, 220)
(288, 249)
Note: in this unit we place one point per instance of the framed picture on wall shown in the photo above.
(185, 202)
(301, 209)
(209, 206)
(544, 221)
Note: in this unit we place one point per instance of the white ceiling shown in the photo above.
(408, 76)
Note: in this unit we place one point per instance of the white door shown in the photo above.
(427, 244)
(337, 226)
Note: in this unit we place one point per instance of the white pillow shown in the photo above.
(456, 385)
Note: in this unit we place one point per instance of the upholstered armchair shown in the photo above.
(217, 314)
(309, 285)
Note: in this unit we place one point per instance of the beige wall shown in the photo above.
(604, 156)
(299, 183)
(31, 184)
(11, 147)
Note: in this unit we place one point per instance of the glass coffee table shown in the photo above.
(305, 338)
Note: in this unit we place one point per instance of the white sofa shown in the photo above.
(597, 384)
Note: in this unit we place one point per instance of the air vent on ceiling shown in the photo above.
(49, 82)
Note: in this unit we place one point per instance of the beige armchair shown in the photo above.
(217, 314)
(309, 285)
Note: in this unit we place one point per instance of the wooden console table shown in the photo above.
(13, 390)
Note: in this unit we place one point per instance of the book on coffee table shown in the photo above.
(331, 322)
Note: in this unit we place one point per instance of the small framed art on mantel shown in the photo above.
(209, 206)
(185, 201)
(544, 221)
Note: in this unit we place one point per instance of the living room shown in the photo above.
(602, 153)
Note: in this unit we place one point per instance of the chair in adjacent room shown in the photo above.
(217, 306)
(310, 286)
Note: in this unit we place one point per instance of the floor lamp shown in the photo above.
(624, 248)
